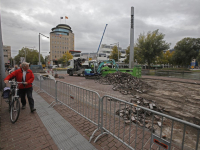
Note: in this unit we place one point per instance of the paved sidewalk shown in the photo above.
(63, 133)
(27, 133)
(44, 129)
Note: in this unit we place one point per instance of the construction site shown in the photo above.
(175, 97)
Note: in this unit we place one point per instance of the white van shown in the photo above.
(55, 66)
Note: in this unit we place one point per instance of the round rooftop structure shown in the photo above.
(62, 29)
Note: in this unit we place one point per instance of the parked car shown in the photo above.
(37, 69)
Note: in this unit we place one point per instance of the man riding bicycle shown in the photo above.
(24, 74)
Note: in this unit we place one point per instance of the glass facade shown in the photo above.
(61, 30)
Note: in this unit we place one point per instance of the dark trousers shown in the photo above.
(28, 92)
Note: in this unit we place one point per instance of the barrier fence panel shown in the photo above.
(142, 128)
(84, 102)
(36, 81)
(48, 86)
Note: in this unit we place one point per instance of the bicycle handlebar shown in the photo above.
(16, 82)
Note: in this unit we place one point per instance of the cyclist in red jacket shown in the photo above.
(24, 74)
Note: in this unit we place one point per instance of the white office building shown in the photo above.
(107, 49)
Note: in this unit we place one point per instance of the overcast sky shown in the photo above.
(23, 20)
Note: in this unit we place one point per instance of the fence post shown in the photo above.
(56, 92)
(40, 82)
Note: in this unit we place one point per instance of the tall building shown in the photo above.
(7, 55)
(61, 41)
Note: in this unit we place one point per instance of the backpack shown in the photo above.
(6, 92)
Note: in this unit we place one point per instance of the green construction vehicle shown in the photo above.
(136, 71)
(96, 69)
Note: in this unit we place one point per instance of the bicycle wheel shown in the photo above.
(15, 110)
(9, 102)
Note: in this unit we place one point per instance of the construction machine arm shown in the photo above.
(112, 61)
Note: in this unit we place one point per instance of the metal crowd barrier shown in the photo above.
(83, 101)
(142, 128)
(135, 126)
(48, 86)
(36, 81)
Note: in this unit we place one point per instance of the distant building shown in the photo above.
(123, 55)
(7, 54)
(61, 41)
(170, 50)
(107, 49)
(74, 52)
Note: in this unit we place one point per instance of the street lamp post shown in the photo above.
(118, 50)
(39, 45)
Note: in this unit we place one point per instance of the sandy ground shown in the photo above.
(180, 100)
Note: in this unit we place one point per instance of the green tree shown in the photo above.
(65, 58)
(198, 58)
(114, 53)
(165, 58)
(35, 60)
(127, 55)
(60, 60)
(149, 46)
(31, 56)
(11, 62)
(137, 57)
(186, 50)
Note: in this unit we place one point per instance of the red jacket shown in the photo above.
(19, 75)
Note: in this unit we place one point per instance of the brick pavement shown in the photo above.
(27, 133)
(106, 142)
(37, 136)
(83, 126)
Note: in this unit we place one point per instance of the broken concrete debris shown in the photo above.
(140, 116)
(125, 83)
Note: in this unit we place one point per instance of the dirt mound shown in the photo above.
(125, 83)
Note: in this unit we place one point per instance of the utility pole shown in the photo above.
(39, 49)
(118, 51)
(2, 65)
(131, 55)
(39, 46)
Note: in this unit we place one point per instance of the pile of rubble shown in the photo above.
(125, 83)
(140, 116)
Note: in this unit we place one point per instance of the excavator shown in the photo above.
(95, 68)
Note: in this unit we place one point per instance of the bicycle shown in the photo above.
(14, 104)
